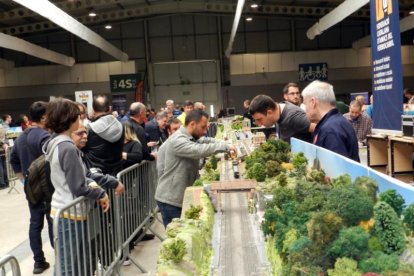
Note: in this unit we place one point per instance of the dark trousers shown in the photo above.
(38, 213)
(4, 180)
(168, 212)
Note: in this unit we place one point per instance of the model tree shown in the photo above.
(388, 228)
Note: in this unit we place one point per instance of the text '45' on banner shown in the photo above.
(387, 85)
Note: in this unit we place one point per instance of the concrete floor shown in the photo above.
(14, 228)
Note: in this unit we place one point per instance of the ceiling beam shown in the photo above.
(64, 20)
(21, 12)
(338, 14)
(237, 15)
(20, 45)
(407, 23)
(184, 6)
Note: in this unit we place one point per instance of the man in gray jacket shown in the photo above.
(178, 160)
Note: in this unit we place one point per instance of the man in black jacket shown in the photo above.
(156, 128)
(137, 115)
(105, 139)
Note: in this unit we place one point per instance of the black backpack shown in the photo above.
(38, 186)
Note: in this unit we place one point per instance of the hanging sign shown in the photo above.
(387, 85)
(124, 82)
(313, 71)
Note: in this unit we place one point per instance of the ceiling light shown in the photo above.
(412, 10)
(108, 27)
(249, 19)
(92, 13)
(254, 5)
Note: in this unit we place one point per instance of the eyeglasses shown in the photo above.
(293, 93)
(81, 133)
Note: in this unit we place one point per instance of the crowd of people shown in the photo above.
(87, 152)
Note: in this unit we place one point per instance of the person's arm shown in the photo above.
(71, 165)
(15, 162)
(135, 154)
(369, 130)
(145, 150)
(332, 142)
(186, 148)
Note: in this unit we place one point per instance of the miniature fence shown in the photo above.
(88, 241)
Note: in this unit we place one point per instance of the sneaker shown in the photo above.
(39, 267)
(127, 262)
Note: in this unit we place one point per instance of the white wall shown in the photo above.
(58, 74)
(273, 68)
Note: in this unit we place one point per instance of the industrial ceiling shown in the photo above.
(18, 21)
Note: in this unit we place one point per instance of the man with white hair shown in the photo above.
(169, 108)
(333, 131)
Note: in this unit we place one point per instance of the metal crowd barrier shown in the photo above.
(11, 261)
(10, 172)
(95, 243)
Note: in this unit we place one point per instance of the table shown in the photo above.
(377, 154)
(395, 153)
(400, 155)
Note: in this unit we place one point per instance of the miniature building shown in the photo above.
(259, 138)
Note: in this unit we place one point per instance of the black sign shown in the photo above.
(124, 83)
(313, 71)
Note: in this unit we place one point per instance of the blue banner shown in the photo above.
(387, 85)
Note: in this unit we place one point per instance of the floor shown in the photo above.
(14, 227)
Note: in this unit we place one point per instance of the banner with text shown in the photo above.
(125, 82)
(386, 67)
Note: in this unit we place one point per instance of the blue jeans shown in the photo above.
(73, 248)
(38, 213)
(168, 212)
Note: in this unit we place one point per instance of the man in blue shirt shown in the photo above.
(333, 131)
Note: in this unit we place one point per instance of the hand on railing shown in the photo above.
(120, 189)
(104, 203)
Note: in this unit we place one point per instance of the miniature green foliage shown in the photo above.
(380, 262)
(299, 159)
(198, 182)
(323, 227)
(345, 266)
(193, 212)
(409, 216)
(374, 244)
(351, 203)
(214, 161)
(352, 243)
(273, 168)
(258, 172)
(317, 176)
(395, 200)
(388, 228)
(342, 181)
(369, 185)
(173, 250)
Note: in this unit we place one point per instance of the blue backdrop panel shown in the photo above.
(335, 165)
(387, 84)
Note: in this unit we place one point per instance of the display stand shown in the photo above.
(400, 155)
(377, 150)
